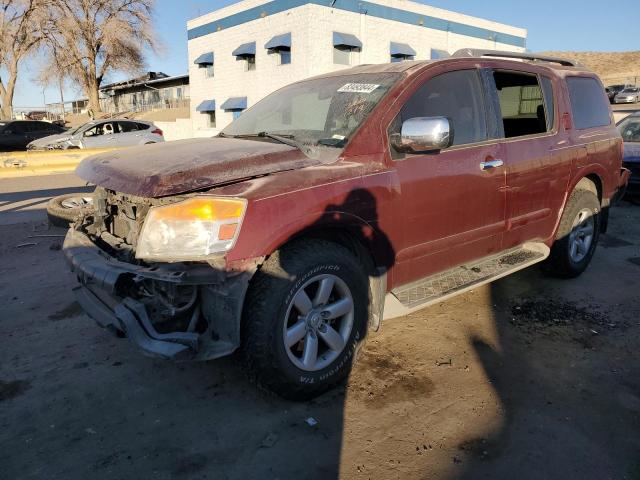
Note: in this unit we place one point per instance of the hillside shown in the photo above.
(610, 66)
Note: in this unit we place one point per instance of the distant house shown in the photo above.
(152, 91)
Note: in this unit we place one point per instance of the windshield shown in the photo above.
(320, 114)
(629, 129)
(630, 90)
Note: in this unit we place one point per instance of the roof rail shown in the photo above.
(474, 52)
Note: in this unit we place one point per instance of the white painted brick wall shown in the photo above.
(311, 28)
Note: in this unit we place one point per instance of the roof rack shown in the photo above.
(474, 52)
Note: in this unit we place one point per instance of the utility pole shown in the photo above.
(62, 101)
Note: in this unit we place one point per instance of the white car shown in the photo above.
(102, 134)
(628, 95)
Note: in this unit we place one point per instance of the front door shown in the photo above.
(101, 136)
(452, 201)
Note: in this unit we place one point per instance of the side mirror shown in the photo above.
(423, 134)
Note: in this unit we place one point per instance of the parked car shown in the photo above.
(16, 134)
(628, 95)
(340, 200)
(613, 90)
(629, 129)
(101, 134)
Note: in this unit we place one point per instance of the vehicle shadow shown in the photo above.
(552, 375)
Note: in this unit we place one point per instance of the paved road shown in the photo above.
(24, 199)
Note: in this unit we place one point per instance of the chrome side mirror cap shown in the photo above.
(423, 134)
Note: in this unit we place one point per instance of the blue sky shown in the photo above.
(582, 25)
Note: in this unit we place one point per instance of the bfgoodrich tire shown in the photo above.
(305, 318)
(65, 209)
(577, 236)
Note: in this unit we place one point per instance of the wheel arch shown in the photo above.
(370, 247)
(591, 181)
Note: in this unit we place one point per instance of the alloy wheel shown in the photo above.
(581, 236)
(318, 323)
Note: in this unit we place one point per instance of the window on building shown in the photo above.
(342, 55)
(401, 52)
(589, 103)
(250, 62)
(209, 71)
(401, 58)
(457, 96)
(285, 56)
(211, 119)
(522, 105)
(236, 114)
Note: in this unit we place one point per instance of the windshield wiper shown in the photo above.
(287, 139)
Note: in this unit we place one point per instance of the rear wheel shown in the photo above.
(577, 236)
(305, 319)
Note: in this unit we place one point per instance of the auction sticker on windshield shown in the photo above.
(358, 88)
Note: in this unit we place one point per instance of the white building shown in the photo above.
(241, 53)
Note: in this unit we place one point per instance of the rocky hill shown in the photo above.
(612, 67)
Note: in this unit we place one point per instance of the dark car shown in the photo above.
(613, 90)
(16, 134)
(630, 130)
(344, 199)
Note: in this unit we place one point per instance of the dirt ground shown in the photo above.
(528, 378)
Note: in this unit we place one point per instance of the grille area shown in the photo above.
(116, 223)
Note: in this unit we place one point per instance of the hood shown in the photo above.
(184, 166)
(44, 141)
(631, 152)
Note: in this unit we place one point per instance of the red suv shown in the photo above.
(342, 200)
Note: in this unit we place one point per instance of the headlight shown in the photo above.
(195, 229)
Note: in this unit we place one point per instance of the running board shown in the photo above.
(427, 291)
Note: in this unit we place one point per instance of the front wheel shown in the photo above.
(305, 319)
(577, 236)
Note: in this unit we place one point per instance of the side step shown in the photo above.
(422, 293)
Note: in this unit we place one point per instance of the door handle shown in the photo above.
(489, 164)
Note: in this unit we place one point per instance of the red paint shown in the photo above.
(418, 216)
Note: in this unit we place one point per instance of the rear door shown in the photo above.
(42, 129)
(453, 208)
(537, 162)
(129, 134)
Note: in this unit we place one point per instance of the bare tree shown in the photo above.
(86, 39)
(19, 37)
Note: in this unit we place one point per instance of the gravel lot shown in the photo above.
(528, 377)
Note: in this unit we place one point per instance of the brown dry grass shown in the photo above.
(612, 67)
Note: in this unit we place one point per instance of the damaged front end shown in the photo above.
(180, 310)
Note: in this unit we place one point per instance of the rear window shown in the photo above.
(589, 106)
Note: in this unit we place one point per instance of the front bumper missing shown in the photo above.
(102, 294)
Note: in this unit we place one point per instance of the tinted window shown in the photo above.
(549, 102)
(143, 126)
(589, 105)
(126, 127)
(630, 129)
(43, 127)
(457, 96)
(19, 127)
